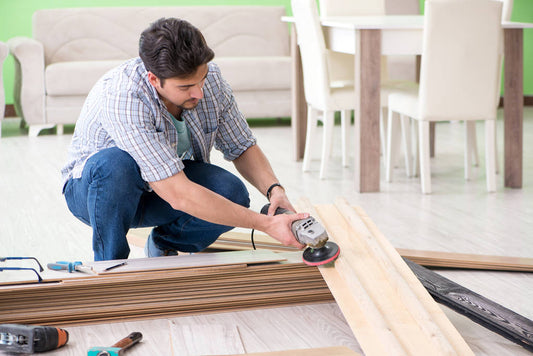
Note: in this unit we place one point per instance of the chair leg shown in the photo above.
(425, 171)
(312, 119)
(407, 145)
(383, 132)
(496, 161)
(471, 140)
(345, 124)
(416, 146)
(490, 153)
(392, 145)
(329, 117)
(470, 145)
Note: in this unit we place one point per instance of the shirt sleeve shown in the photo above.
(129, 118)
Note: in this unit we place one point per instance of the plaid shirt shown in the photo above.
(123, 110)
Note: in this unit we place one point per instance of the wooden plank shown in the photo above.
(155, 293)
(446, 327)
(415, 324)
(240, 241)
(321, 351)
(186, 261)
(467, 260)
(190, 339)
(382, 285)
(366, 322)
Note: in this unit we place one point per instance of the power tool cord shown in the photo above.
(252, 238)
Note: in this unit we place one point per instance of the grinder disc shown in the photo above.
(320, 256)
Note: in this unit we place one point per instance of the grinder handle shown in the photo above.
(279, 210)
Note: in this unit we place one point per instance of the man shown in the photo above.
(140, 153)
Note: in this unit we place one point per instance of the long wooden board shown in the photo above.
(389, 310)
(186, 261)
(321, 351)
(241, 241)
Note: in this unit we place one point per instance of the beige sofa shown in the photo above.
(3, 54)
(72, 48)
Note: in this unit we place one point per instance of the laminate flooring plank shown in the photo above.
(322, 351)
(185, 261)
(467, 260)
(156, 338)
(204, 339)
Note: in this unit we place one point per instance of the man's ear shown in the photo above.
(153, 79)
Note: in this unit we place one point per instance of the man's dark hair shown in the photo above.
(173, 47)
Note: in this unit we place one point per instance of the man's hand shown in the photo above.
(280, 229)
(279, 199)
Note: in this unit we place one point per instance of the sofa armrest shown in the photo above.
(4, 51)
(29, 79)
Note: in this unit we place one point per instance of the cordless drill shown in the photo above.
(20, 338)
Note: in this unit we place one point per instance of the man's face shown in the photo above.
(185, 93)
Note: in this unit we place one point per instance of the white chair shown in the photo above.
(320, 94)
(395, 70)
(459, 78)
(4, 51)
(351, 7)
(470, 125)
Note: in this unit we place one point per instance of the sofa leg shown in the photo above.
(59, 129)
(35, 129)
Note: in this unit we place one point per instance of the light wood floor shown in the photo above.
(458, 217)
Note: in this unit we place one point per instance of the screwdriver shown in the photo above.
(69, 266)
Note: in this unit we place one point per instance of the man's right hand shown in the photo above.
(279, 228)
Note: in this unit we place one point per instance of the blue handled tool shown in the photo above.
(69, 266)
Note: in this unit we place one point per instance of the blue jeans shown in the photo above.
(111, 197)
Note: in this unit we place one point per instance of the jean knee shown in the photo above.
(116, 167)
(235, 190)
(219, 181)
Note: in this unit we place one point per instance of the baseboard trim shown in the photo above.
(10, 108)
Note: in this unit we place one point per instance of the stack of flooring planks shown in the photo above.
(162, 287)
(241, 241)
(388, 309)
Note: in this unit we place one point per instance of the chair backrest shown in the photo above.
(460, 60)
(351, 7)
(402, 7)
(507, 10)
(3, 54)
(313, 52)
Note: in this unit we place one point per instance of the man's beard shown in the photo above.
(189, 104)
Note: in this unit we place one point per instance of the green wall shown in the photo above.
(15, 20)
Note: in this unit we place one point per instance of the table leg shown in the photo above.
(367, 87)
(513, 106)
(299, 105)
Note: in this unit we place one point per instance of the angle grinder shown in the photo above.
(310, 232)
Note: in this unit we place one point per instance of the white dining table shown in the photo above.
(369, 37)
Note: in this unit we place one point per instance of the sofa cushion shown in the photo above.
(75, 78)
(259, 73)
